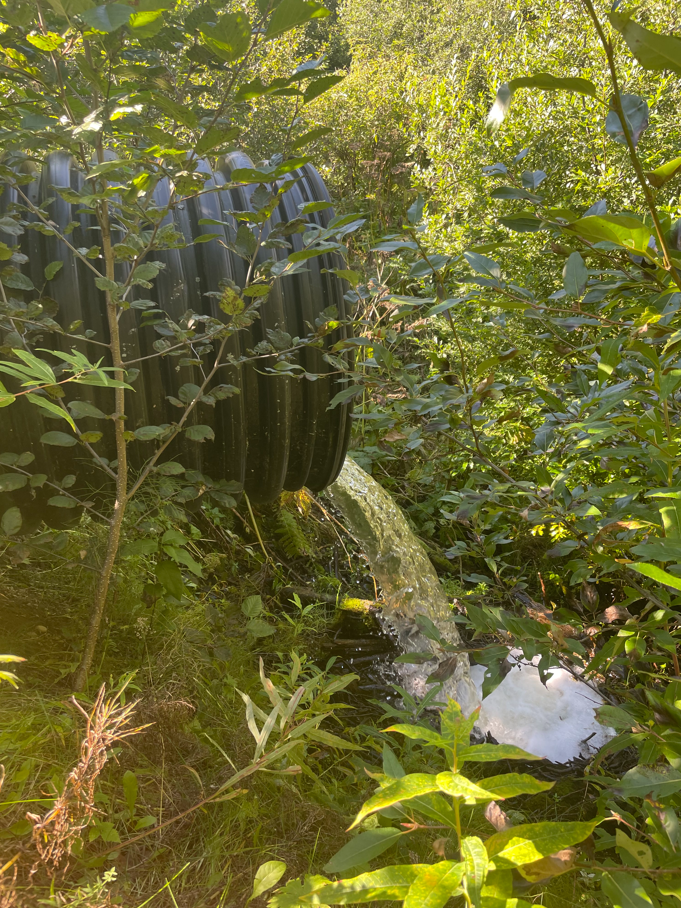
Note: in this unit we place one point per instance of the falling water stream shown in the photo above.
(555, 719)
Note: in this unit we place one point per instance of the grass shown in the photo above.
(185, 666)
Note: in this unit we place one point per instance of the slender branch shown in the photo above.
(626, 131)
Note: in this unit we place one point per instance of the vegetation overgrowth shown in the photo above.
(516, 287)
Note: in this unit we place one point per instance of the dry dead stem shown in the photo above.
(55, 832)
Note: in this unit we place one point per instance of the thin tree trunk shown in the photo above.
(115, 526)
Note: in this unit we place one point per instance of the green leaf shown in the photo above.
(492, 753)
(435, 885)
(391, 883)
(62, 501)
(170, 576)
(252, 606)
(623, 230)
(230, 37)
(215, 138)
(391, 765)
(267, 876)
(130, 788)
(575, 275)
(260, 628)
(624, 890)
(653, 51)
(512, 784)
(61, 439)
(80, 409)
(542, 81)
(642, 781)
(10, 482)
(303, 140)
(459, 786)
(664, 173)
(139, 547)
(363, 848)
(532, 841)
(5, 397)
(415, 658)
(476, 864)
(107, 18)
(10, 523)
(319, 86)
(182, 556)
(200, 433)
(637, 116)
(290, 13)
(51, 407)
(149, 433)
(482, 264)
(609, 359)
(656, 573)
(408, 787)
(419, 733)
(52, 269)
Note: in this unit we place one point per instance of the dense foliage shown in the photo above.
(517, 385)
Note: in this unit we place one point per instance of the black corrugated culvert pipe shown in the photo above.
(277, 432)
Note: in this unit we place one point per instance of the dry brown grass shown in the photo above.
(55, 832)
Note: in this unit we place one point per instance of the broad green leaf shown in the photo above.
(319, 86)
(363, 848)
(637, 116)
(575, 275)
(492, 753)
(81, 409)
(542, 81)
(656, 573)
(290, 13)
(435, 885)
(624, 890)
(642, 781)
(459, 786)
(640, 851)
(609, 359)
(391, 883)
(391, 765)
(664, 173)
(182, 556)
(653, 51)
(267, 876)
(61, 439)
(51, 407)
(11, 521)
(215, 138)
(107, 18)
(139, 547)
(419, 733)
(252, 606)
(532, 841)
(482, 264)
(130, 789)
(62, 501)
(10, 482)
(200, 433)
(512, 784)
(230, 37)
(260, 628)
(408, 787)
(5, 397)
(52, 269)
(623, 230)
(476, 863)
(148, 433)
(170, 576)
(300, 142)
